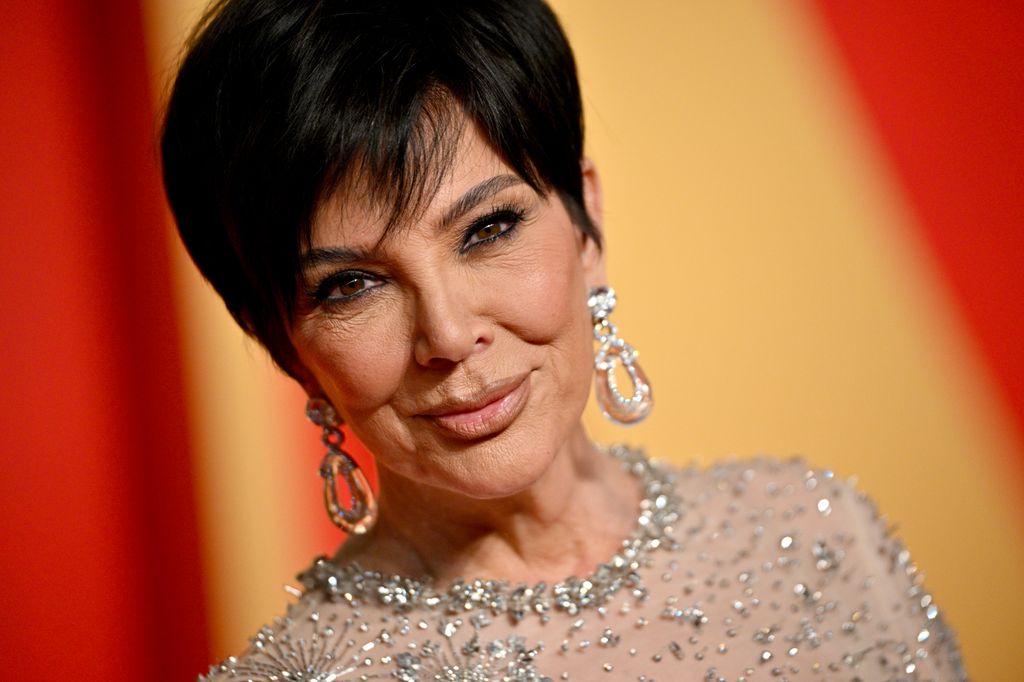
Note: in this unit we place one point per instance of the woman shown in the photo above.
(392, 198)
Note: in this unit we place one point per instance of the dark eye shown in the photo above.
(487, 232)
(346, 286)
(492, 227)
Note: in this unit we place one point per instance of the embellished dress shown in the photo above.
(751, 570)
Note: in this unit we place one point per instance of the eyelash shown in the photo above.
(322, 292)
(507, 213)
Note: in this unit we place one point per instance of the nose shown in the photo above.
(449, 329)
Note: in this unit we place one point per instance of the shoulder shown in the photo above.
(824, 547)
(325, 635)
(769, 487)
(791, 507)
(291, 647)
(807, 496)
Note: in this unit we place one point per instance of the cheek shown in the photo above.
(548, 311)
(550, 297)
(352, 366)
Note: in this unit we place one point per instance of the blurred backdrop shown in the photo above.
(815, 221)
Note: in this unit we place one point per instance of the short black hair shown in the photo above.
(279, 102)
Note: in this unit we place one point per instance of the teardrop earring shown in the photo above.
(362, 512)
(612, 351)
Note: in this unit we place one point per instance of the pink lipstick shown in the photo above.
(485, 414)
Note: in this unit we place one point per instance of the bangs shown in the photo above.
(397, 169)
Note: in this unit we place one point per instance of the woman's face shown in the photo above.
(458, 348)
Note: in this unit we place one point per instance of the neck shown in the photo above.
(569, 520)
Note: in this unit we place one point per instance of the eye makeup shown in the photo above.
(500, 223)
(347, 285)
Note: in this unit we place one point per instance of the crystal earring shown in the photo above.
(612, 351)
(362, 512)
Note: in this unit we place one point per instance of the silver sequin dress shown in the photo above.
(751, 570)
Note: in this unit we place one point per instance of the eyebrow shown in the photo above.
(332, 256)
(476, 195)
(463, 205)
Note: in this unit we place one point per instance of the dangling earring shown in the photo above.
(363, 511)
(613, 350)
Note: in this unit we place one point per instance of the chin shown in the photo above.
(504, 472)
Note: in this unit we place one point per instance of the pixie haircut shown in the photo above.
(278, 103)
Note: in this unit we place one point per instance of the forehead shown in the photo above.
(359, 211)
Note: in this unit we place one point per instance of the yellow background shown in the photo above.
(769, 271)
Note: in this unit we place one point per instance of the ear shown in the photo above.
(593, 202)
(310, 385)
(298, 371)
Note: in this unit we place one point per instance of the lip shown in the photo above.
(485, 414)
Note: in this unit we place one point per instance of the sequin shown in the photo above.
(714, 558)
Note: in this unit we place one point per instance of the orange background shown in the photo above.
(815, 223)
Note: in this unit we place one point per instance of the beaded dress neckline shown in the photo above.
(659, 511)
(750, 570)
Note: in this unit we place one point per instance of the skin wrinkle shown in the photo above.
(544, 531)
(532, 502)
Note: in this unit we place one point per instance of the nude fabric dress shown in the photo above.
(750, 570)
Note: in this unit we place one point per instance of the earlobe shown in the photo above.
(591, 253)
